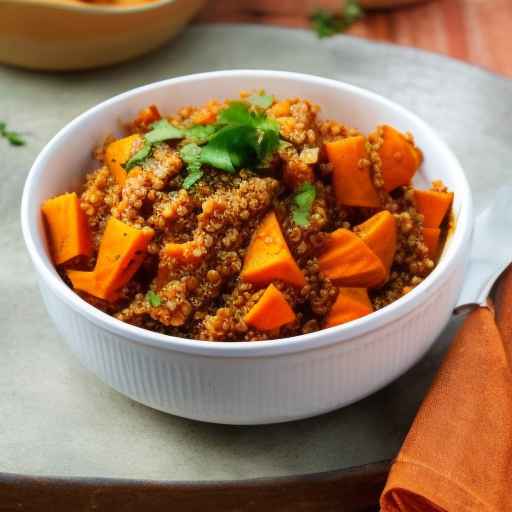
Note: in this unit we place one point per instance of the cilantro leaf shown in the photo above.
(199, 133)
(236, 113)
(139, 156)
(261, 100)
(246, 138)
(302, 204)
(191, 155)
(327, 24)
(163, 130)
(153, 299)
(14, 138)
(160, 131)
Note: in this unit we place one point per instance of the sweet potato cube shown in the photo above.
(351, 303)
(433, 206)
(268, 256)
(379, 234)
(121, 252)
(119, 152)
(399, 158)
(271, 311)
(66, 227)
(431, 239)
(348, 261)
(351, 178)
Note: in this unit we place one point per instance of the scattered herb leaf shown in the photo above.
(327, 24)
(302, 203)
(199, 133)
(139, 156)
(14, 138)
(153, 299)
(191, 155)
(160, 131)
(261, 100)
(163, 130)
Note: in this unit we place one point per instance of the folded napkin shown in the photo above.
(457, 456)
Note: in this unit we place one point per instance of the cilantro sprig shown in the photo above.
(243, 136)
(327, 24)
(191, 155)
(160, 131)
(13, 138)
(246, 138)
(302, 204)
(261, 100)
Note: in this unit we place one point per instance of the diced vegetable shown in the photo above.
(350, 304)
(67, 228)
(379, 234)
(186, 253)
(281, 108)
(204, 117)
(433, 206)
(119, 152)
(348, 261)
(268, 256)
(431, 239)
(352, 180)
(399, 158)
(121, 252)
(271, 311)
(147, 117)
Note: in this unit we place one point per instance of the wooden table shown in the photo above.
(477, 31)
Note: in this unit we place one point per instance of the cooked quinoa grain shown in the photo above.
(303, 223)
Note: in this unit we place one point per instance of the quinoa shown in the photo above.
(205, 298)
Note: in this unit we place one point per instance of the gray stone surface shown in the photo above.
(57, 419)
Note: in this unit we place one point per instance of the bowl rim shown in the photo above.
(93, 8)
(243, 349)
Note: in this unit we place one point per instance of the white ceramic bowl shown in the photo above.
(260, 382)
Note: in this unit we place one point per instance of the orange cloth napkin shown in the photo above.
(457, 456)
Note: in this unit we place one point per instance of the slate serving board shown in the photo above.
(57, 419)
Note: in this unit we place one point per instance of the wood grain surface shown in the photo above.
(349, 490)
(477, 31)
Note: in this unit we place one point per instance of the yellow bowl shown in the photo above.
(71, 35)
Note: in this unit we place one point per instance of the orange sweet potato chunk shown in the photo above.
(268, 256)
(379, 234)
(353, 184)
(184, 252)
(121, 252)
(433, 206)
(431, 239)
(147, 117)
(399, 159)
(119, 152)
(67, 228)
(271, 311)
(351, 303)
(348, 261)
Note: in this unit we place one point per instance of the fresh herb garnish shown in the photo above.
(191, 155)
(240, 138)
(199, 134)
(139, 156)
(14, 138)
(261, 100)
(153, 299)
(160, 131)
(163, 130)
(302, 204)
(327, 24)
(246, 138)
